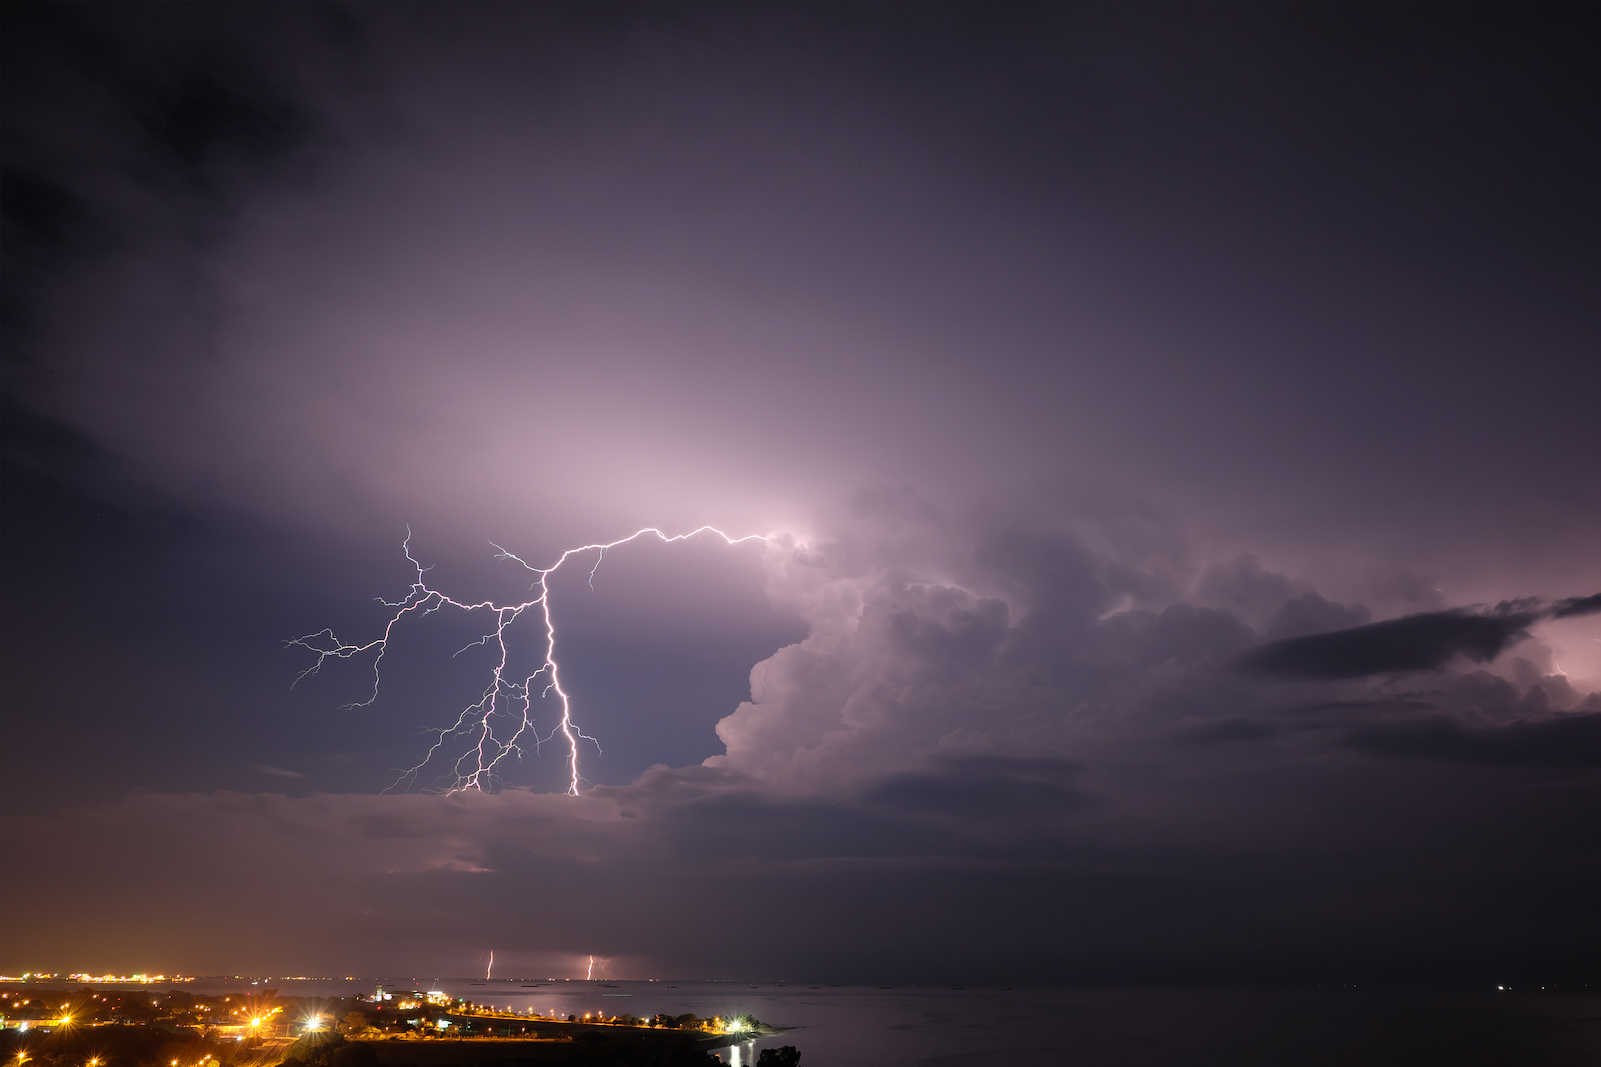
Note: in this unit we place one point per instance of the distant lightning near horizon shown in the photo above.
(475, 768)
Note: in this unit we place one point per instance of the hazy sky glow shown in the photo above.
(1176, 424)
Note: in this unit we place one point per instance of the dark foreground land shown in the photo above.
(550, 1043)
(630, 1046)
(88, 1027)
(560, 1043)
(140, 1046)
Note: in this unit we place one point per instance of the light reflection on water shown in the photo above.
(739, 1055)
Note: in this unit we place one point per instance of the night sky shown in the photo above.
(1178, 428)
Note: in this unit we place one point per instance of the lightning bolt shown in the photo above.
(476, 767)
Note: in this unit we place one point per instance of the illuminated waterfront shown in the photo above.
(843, 1026)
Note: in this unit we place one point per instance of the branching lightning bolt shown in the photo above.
(476, 768)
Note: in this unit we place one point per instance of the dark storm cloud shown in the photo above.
(734, 879)
(115, 124)
(1230, 730)
(1569, 741)
(984, 789)
(1413, 643)
(353, 243)
(748, 825)
(1421, 642)
(1576, 607)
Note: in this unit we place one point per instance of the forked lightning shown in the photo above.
(475, 768)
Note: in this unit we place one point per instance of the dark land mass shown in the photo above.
(151, 1046)
(583, 1045)
(90, 1027)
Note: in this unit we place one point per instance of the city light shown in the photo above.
(218, 1020)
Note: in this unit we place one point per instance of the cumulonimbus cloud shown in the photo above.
(998, 749)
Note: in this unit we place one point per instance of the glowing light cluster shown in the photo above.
(503, 696)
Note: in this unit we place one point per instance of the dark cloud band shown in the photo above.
(1575, 606)
(1422, 642)
(1569, 741)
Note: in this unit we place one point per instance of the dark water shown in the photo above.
(855, 1026)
